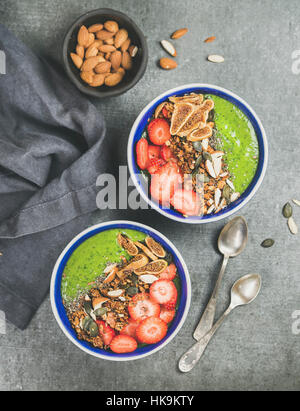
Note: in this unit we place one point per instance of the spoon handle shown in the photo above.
(208, 315)
(188, 361)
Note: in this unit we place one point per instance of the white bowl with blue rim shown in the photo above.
(141, 123)
(60, 312)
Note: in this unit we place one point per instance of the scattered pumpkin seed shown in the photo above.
(207, 156)
(292, 226)
(287, 210)
(86, 323)
(297, 202)
(226, 193)
(132, 291)
(100, 311)
(269, 242)
(88, 307)
(93, 330)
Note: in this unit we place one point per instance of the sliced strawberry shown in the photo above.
(167, 315)
(166, 153)
(106, 332)
(159, 131)
(165, 182)
(151, 330)
(155, 164)
(130, 328)
(186, 202)
(163, 291)
(123, 343)
(142, 153)
(165, 112)
(154, 152)
(141, 306)
(169, 273)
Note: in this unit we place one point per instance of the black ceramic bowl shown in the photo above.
(137, 37)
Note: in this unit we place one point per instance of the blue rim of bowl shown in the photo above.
(148, 112)
(60, 312)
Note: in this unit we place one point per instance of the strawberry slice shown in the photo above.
(130, 328)
(187, 202)
(163, 292)
(169, 273)
(151, 330)
(154, 152)
(167, 315)
(141, 306)
(106, 332)
(155, 164)
(164, 183)
(159, 131)
(165, 112)
(142, 153)
(166, 153)
(122, 344)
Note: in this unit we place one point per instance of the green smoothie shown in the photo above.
(237, 138)
(91, 258)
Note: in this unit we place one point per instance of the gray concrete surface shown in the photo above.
(256, 348)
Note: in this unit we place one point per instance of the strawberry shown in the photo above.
(169, 273)
(130, 328)
(151, 330)
(154, 152)
(186, 202)
(155, 164)
(163, 292)
(165, 112)
(122, 344)
(142, 153)
(171, 305)
(164, 183)
(167, 315)
(106, 332)
(166, 153)
(159, 131)
(141, 307)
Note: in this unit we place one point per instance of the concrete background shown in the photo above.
(256, 348)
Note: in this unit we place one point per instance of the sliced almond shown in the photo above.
(126, 61)
(230, 183)
(159, 109)
(205, 143)
(121, 37)
(234, 197)
(297, 202)
(83, 36)
(95, 28)
(133, 51)
(218, 195)
(210, 168)
(148, 278)
(215, 58)
(169, 47)
(179, 33)
(115, 293)
(167, 63)
(111, 26)
(76, 60)
(110, 268)
(211, 209)
(292, 226)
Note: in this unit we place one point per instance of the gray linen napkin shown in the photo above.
(51, 152)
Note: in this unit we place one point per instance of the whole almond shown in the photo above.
(126, 61)
(95, 27)
(98, 80)
(106, 48)
(121, 71)
(125, 45)
(87, 76)
(80, 51)
(167, 64)
(133, 50)
(92, 51)
(104, 35)
(91, 39)
(83, 36)
(91, 63)
(107, 56)
(210, 39)
(179, 33)
(111, 26)
(102, 68)
(116, 59)
(113, 79)
(76, 60)
(97, 44)
(121, 37)
(109, 41)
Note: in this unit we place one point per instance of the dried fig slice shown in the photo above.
(197, 120)
(137, 262)
(189, 98)
(128, 245)
(200, 134)
(146, 250)
(180, 116)
(155, 247)
(155, 268)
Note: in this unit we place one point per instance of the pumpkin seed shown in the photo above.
(287, 210)
(292, 226)
(101, 311)
(86, 323)
(197, 146)
(131, 291)
(207, 156)
(227, 193)
(87, 305)
(269, 242)
(202, 178)
(93, 330)
(297, 202)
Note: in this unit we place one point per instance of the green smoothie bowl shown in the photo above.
(197, 153)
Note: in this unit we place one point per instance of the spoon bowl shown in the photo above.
(245, 290)
(233, 238)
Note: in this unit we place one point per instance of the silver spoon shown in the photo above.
(243, 292)
(232, 241)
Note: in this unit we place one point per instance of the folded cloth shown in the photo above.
(51, 151)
